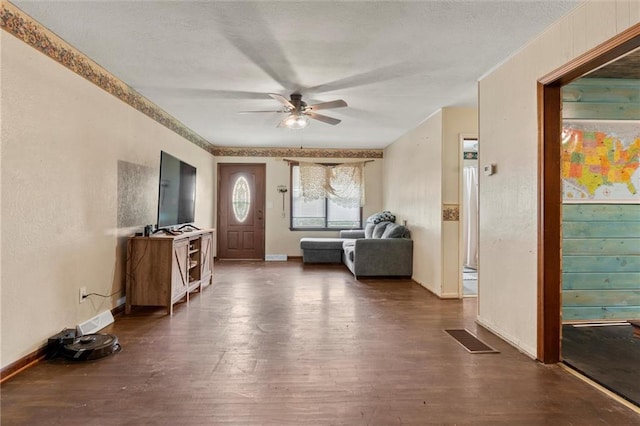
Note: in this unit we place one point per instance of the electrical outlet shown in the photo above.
(82, 294)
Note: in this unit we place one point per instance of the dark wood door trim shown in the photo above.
(611, 49)
(549, 184)
(549, 220)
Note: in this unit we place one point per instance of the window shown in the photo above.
(321, 213)
(241, 199)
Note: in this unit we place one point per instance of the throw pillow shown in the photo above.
(384, 216)
(351, 253)
(349, 248)
(387, 216)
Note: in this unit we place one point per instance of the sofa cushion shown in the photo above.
(352, 233)
(368, 229)
(379, 229)
(393, 230)
(321, 243)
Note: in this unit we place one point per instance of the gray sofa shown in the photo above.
(381, 249)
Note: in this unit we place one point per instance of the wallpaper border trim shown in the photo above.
(450, 212)
(22, 26)
(296, 152)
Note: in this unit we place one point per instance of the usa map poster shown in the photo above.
(600, 161)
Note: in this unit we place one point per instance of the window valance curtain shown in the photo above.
(341, 183)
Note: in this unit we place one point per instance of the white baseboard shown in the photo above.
(426, 287)
(275, 257)
(449, 296)
(516, 343)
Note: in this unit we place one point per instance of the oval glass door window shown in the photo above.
(241, 199)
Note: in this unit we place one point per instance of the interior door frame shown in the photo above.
(550, 184)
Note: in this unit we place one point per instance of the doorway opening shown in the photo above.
(469, 216)
(550, 184)
(601, 225)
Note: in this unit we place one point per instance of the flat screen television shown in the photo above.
(176, 193)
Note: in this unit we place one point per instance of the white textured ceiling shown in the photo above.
(395, 63)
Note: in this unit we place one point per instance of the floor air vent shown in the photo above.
(471, 342)
(96, 323)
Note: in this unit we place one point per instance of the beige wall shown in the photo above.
(421, 173)
(79, 173)
(412, 190)
(509, 138)
(278, 238)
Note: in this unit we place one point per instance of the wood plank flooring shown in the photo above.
(282, 343)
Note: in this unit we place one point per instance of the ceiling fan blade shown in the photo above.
(284, 101)
(323, 118)
(328, 105)
(267, 52)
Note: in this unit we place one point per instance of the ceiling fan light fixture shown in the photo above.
(296, 121)
(299, 113)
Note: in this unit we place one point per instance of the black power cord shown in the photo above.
(101, 295)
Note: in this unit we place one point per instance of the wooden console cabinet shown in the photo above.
(164, 269)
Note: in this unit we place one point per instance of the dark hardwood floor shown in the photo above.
(610, 355)
(284, 343)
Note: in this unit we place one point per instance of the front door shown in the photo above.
(241, 203)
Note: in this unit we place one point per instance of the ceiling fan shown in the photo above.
(299, 112)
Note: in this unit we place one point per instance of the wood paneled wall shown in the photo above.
(600, 262)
